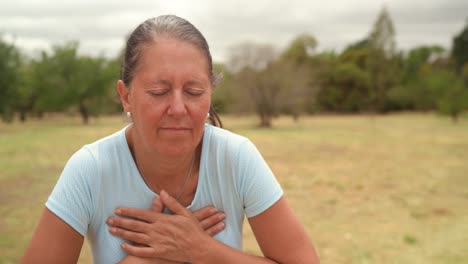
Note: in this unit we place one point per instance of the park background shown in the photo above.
(369, 140)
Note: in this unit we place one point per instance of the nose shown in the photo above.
(177, 107)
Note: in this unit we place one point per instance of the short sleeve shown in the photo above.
(72, 197)
(259, 188)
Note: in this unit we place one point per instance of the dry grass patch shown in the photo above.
(388, 189)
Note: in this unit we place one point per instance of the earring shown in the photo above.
(207, 116)
(129, 114)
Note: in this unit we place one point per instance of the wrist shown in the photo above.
(201, 251)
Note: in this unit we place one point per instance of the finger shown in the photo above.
(157, 205)
(212, 220)
(204, 213)
(213, 230)
(129, 224)
(141, 214)
(143, 252)
(134, 237)
(173, 204)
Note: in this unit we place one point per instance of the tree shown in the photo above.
(300, 50)
(90, 94)
(345, 80)
(382, 37)
(224, 96)
(250, 55)
(412, 93)
(249, 62)
(382, 63)
(297, 72)
(357, 54)
(274, 84)
(465, 73)
(10, 61)
(27, 93)
(449, 93)
(70, 82)
(56, 75)
(346, 88)
(419, 56)
(460, 49)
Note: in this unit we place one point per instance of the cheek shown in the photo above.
(202, 106)
(153, 106)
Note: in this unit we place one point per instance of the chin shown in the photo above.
(176, 150)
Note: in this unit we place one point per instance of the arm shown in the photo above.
(180, 237)
(137, 260)
(53, 241)
(279, 234)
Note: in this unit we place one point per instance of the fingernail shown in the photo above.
(221, 216)
(110, 221)
(221, 225)
(113, 229)
(118, 211)
(164, 194)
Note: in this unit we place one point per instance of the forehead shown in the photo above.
(171, 54)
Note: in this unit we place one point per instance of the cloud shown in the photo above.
(101, 26)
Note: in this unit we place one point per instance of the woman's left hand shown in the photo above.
(158, 235)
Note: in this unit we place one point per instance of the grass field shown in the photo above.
(386, 189)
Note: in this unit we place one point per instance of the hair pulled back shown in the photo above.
(168, 26)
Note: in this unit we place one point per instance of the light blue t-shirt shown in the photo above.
(102, 176)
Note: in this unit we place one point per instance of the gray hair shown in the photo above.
(170, 26)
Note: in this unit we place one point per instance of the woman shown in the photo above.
(133, 193)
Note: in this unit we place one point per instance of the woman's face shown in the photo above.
(170, 97)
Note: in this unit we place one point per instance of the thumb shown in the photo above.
(157, 205)
(173, 204)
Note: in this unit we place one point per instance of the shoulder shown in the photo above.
(87, 160)
(223, 135)
(223, 138)
(110, 143)
(83, 172)
(231, 152)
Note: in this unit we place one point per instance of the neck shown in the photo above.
(162, 172)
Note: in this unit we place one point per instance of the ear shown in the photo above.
(125, 95)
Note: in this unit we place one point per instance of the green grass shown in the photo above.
(385, 189)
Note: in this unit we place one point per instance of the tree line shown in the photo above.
(368, 76)
(56, 81)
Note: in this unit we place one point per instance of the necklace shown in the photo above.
(183, 185)
(186, 179)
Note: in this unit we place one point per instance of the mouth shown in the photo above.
(175, 128)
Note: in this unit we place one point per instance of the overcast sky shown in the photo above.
(101, 25)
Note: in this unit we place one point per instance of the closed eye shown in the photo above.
(195, 88)
(158, 92)
(195, 91)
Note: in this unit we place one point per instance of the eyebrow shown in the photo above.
(167, 83)
(159, 82)
(193, 82)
